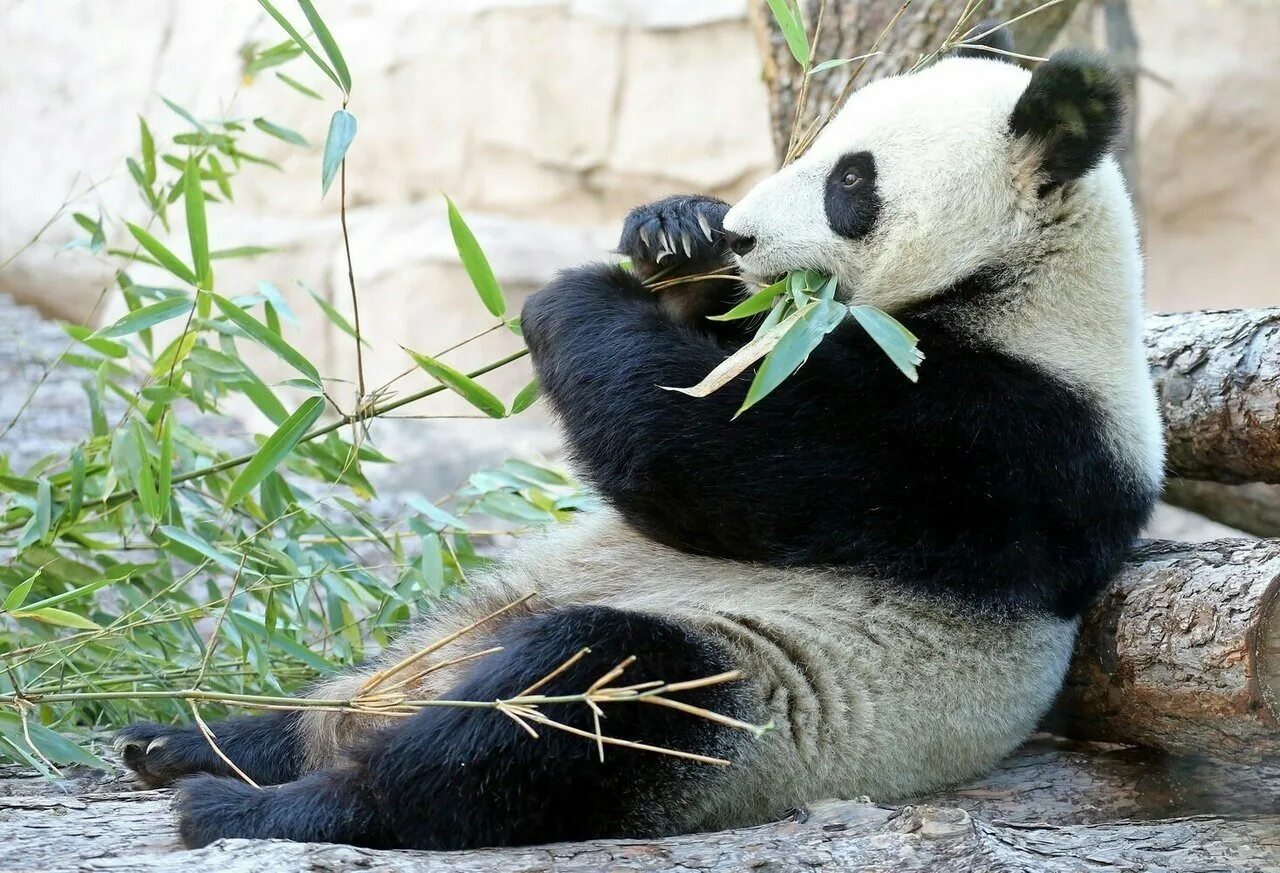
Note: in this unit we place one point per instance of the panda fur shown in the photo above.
(898, 570)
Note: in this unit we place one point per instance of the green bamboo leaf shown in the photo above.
(148, 151)
(528, 394)
(262, 397)
(757, 302)
(336, 317)
(197, 544)
(242, 252)
(218, 363)
(75, 491)
(789, 23)
(147, 316)
(272, 56)
(431, 564)
(277, 302)
(163, 256)
(895, 340)
(513, 507)
(342, 130)
(82, 591)
(442, 518)
(44, 507)
(187, 116)
(18, 484)
(284, 133)
(816, 320)
(104, 347)
(328, 43)
(300, 42)
(51, 745)
(60, 617)
(475, 263)
(276, 448)
(18, 595)
(220, 178)
(197, 228)
(144, 474)
(164, 479)
(466, 387)
(97, 239)
(140, 179)
(838, 62)
(97, 417)
(298, 86)
(258, 331)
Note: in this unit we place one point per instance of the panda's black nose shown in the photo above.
(739, 243)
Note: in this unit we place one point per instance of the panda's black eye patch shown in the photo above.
(852, 202)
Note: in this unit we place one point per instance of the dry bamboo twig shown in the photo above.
(382, 675)
(373, 698)
(212, 740)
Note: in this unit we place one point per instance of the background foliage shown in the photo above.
(162, 564)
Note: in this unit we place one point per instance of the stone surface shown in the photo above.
(1209, 151)
(1054, 805)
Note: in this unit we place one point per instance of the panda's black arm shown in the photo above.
(988, 480)
(679, 468)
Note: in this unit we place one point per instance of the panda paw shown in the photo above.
(212, 808)
(677, 230)
(160, 754)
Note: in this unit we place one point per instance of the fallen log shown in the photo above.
(1053, 806)
(1182, 652)
(1218, 374)
(1253, 508)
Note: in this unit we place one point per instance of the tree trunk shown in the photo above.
(1219, 379)
(1052, 806)
(1253, 508)
(850, 28)
(1182, 653)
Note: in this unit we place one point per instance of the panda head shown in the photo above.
(921, 180)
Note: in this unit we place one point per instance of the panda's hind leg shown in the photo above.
(456, 778)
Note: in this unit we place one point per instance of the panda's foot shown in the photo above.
(160, 754)
(264, 747)
(328, 806)
(679, 230)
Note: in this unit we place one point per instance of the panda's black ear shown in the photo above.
(985, 34)
(1071, 111)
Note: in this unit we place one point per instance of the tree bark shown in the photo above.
(1053, 806)
(1219, 378)
(1253, 508)
(850, 28)
(1182, 653)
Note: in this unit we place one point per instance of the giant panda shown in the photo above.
(897, 569)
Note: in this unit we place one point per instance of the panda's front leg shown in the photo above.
(671, 243)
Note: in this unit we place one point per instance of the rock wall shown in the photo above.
(545, 120)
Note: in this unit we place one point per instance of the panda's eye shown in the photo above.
(850, 181)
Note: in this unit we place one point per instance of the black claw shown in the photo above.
(680, 229)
